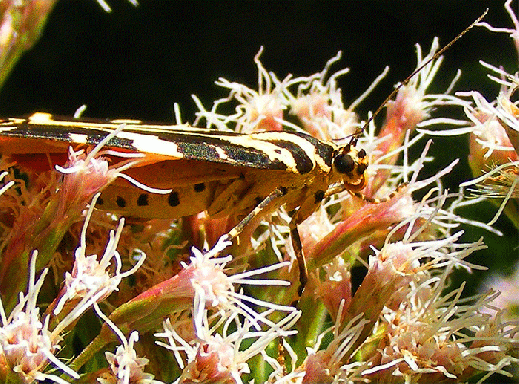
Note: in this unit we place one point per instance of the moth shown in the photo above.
(223, 173)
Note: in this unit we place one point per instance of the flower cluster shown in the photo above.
(163, 301)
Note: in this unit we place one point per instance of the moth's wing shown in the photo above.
(215, 154)
(276, 151)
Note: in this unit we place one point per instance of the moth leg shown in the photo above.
(258, 210)
(305, 210)
(281, 355)
(298, 217)
(301, 261)
(226, 196)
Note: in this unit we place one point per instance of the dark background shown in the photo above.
(137, 62)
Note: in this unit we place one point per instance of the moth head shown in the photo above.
(351, 164)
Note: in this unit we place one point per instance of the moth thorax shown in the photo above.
(351, 164)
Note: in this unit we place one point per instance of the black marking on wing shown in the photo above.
(25, 130)
(192, 143)
(210, 146)
(218, 150)
(96, 137)
(57, 133)
(303, 162)
(324, 150)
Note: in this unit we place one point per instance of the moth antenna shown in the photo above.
(406, 81)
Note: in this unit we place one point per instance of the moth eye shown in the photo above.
(344, 163)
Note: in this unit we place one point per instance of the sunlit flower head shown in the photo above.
(92, 279)
(260, 110)
(491, 119)
(432, 337)
(125, 366)
(334, 364)
(318, 104)
(27, 346)
(47, 208)
(222, 357)
(494, 145)
(88, 173)
(212, 288)
(411, 110)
